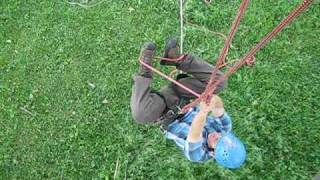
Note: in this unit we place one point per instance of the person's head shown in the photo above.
(228, 149)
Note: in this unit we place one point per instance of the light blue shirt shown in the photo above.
(199, 151)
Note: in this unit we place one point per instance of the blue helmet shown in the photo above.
(229, 151)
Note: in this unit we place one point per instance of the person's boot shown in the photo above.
(172, 51)
(146, 55)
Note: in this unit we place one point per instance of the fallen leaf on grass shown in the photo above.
(131, 9)
(91, 85)
(105, 101)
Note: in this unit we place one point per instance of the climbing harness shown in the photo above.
(247, 59)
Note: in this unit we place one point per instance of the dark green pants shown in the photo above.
(148, 106)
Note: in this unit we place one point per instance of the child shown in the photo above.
(202, 136)
(149, 106)
(196, 133)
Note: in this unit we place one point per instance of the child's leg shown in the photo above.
(197, 67)
(148, 106)
(201, 72)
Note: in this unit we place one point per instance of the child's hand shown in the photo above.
(204, 107)
(216, 106)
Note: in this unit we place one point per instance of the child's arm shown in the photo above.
(195, 133)
(193, 148)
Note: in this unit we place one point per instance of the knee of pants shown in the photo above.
(139, 116)
(142, 115)
(148, 109)
(221, 86)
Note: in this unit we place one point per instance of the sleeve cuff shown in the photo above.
(195, 152)
(191, 146)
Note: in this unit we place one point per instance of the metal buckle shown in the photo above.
(162, 129)
(170, 114)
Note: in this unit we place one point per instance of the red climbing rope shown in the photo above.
(206, 95)
(248, 59)
(211, 87)
(234, 27)
(170, 79)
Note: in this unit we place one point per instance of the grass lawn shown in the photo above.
(65, 86)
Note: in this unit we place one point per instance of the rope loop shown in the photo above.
(250, 61)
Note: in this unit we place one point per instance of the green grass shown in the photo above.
(53, 124)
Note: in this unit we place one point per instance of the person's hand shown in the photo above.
(215, 105)
(213, 139)
(204, 107)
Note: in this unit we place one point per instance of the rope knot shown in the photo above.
(250, 61)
